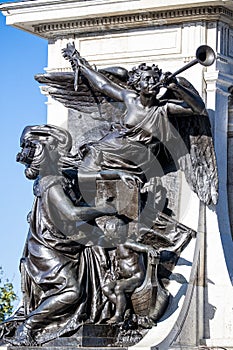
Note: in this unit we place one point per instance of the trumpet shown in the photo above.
(204, 55)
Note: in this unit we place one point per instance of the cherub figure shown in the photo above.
(130, 268)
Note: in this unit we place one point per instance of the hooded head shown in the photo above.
(42, 147)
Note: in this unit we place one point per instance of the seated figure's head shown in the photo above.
(42, 147)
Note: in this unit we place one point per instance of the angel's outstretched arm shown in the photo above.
(102, 83)
(95, 78)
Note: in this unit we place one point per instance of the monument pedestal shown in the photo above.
(175, 347)
(88, 336)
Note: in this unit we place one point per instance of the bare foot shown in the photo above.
(115, 319)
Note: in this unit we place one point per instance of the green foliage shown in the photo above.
(7, 297)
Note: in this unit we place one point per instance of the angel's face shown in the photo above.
(148, 82)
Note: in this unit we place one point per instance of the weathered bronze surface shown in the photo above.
(103, 240)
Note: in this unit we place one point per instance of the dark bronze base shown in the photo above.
(88, 336)
(68, 347)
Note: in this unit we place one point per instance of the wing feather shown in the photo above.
(60, 86)
(197, 159)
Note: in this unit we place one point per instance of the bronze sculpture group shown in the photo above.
(85, 260)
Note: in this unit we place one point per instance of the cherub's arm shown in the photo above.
(70, 212)
(141, 248)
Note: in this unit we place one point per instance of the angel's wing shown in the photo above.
(74, 91)
(60, 86)
(196, 157)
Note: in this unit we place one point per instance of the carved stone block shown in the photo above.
(124, 198)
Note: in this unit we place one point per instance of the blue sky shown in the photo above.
(22, 56)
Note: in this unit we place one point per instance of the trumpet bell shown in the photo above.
(205, 55)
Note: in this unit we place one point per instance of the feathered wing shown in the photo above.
(60, 86)
(196, 155)
(199, 163)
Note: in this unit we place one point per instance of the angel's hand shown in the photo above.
(70, 53)
(168, 79)
(130, 180)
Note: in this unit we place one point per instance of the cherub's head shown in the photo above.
(116, 230)
(144, 78)
(42, 147)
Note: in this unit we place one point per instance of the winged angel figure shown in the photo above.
(157, 123)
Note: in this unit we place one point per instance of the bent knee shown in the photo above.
(70, 296)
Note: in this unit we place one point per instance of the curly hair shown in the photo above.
(136, 73)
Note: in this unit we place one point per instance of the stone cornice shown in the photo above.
(34, 3)
(50, 18)
(134, 20)
(164, 5)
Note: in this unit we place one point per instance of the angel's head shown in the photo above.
(144, 78)
(43, 147)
